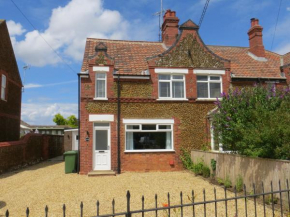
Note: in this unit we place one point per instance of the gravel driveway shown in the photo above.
(46, 184)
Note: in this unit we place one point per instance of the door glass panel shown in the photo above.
(101, 124)
(101, 140)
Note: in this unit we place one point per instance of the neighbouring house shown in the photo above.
(49, 129)
(10, 89)
(71, 139)
(24, 128)
(141, 102)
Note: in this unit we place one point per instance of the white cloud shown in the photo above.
(43, 113)
(27, 86)
(283, 49)
(68, 28)
(15, 28)
(288, 9)
(32, 86)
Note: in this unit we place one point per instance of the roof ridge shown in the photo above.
(115, 40)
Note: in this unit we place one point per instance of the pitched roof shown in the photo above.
(243, 65)
(286, 59)
(129, 56)
(7, 58)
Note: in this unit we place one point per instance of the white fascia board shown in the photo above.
(69, 130)
(148, 121)
(100, 68)
(171, 71)
(101, 118)
(209, 72)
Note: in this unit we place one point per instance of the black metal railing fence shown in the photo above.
(282, 207)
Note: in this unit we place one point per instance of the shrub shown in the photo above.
(268, 199)
(186, 159)
(239, 183)
(198, 168)
(228, 182)
(205, 171)
(220, 181)
(254, 122)
(213, 164)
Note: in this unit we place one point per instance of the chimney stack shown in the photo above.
(169, 28)
(256, 38)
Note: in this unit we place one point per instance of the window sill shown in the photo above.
(207, 99)
(148, 150)
(171, 99)
(100, 98)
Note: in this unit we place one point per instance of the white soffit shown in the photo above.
(100, 68)
(172, 71)
(95, 118)
(209, 72)
(148, 121)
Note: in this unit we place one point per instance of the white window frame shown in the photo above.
(171, 87)
(150, 122)
(3, 87)
(208, 86)
(102, 79)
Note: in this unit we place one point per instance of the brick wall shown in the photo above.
(30, 148)
(10, 108)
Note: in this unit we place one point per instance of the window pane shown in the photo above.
(164, 127)
(178, 89)
(101, 140)
(101, 88)
(177, 77)
(149, 127)
(215, 78)
(215, 90)
(3, 93)
(202, 78)
(101, 75)
(133, 127)
(3, 81)
(148, 140)
(202, 91)
(164, 89)
(164, 77)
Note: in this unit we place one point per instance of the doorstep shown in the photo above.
(102, 173)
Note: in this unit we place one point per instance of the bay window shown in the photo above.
(149, 137)
(171, 86)
(209, 86)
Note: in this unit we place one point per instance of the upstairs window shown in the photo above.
(101, 85)
(3, 87)
(209, 86)
(171, 86)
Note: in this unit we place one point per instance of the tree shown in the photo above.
(72, 121)
(255, 122)
(59, 119)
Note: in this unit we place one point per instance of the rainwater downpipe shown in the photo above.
(119, 124)
(79, 122)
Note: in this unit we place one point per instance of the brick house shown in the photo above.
(140, 101)
(10, 89)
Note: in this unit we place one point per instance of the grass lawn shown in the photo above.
(46, 184)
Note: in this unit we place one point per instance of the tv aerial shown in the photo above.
(160, 14)
(25, 68)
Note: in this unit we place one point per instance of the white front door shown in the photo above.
(102, 149)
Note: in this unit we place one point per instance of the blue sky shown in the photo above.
(51, 84)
